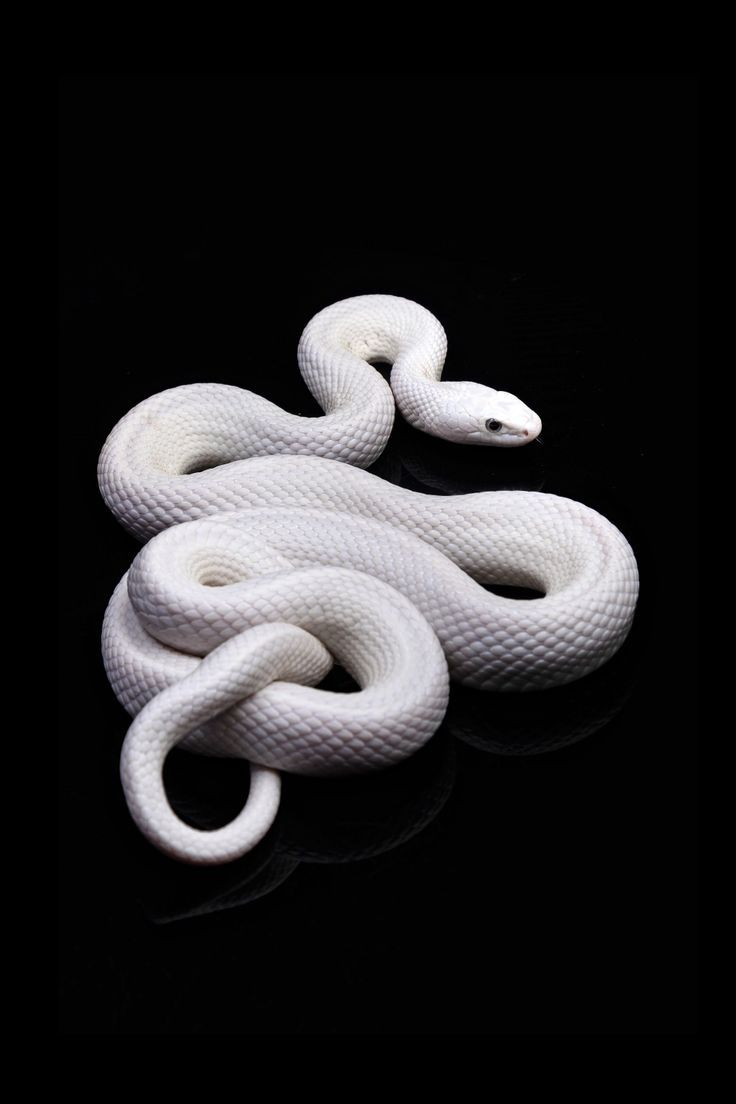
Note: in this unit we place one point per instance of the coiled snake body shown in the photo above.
(273, 553)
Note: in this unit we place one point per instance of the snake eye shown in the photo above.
(493, 425)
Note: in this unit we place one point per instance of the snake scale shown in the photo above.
(270, 554)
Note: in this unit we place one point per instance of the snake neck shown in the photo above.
(341, 343)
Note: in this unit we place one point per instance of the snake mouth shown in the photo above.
(512, 440)
(509, 439)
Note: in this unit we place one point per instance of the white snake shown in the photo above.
(291, 557)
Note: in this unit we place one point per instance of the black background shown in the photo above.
(548, 220)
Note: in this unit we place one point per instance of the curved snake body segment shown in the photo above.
(491, 642)
(379, 636)
(217, 708)
(216, 427)
(273, 538)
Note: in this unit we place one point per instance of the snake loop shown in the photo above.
(256, 517)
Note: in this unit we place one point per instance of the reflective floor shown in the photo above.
(532, 869)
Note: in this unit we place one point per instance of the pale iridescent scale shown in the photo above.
(288, 531)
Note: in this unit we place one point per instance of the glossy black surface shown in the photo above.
(532, 870)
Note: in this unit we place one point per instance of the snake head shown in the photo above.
(473, 414)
